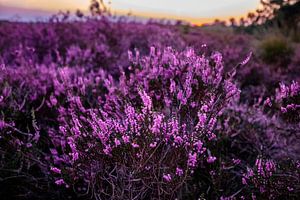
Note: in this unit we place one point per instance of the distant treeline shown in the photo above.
(282, 14)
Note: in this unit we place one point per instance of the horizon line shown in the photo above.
(118, 12)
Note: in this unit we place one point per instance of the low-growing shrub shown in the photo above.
(276, 50)
(83, 118)
(155, 127)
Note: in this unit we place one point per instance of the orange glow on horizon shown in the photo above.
(54, 6)
(198, 21)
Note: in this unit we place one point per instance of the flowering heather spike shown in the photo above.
(211, 159)
(173, 86)
(295, 88)
(153, 145)
(2, 124)
(167, 177)
(55, 170)
(192, 160)
(268, 102)
(146, 99)
(157, 124)
(179, 171)
(244, 62)
(60, 182)
(134, 145)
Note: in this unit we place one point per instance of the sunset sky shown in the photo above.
(194, 11)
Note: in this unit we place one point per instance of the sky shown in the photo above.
(194, 11)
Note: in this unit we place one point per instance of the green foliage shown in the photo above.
(275, 50)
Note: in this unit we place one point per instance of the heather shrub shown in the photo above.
(94, 43)
(263, 136)
(271, 180)
(275, 50)
(255, 132)
(23, 171)
(231, 45)
(146, 139)
(88, 110)
(269, 124)
(258, 157)
(287, 100)
(29, 100)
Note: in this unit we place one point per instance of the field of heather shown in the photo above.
(113, 109)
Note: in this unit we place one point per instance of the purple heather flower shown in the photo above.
(172, 86)
(244, 62)
(125, 139)
(55, 170)
(167, 177)
(244, 181)
(28, 145)
(2, 124)
(134, 145)
(204, 108)
(268, 102)
(107, 150)
(198, 146)
(153, 145)
(157, 123)
(202, 119)
(295, 88)
(117, 142)
(53, 100)
(211, 159)
(180, 97)
(283, 91)
(192, 159)
(291, 107)
(283, 110)
(60, 182)
(146, 99)
(179, 171)
(236, 161)
(178, 140)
